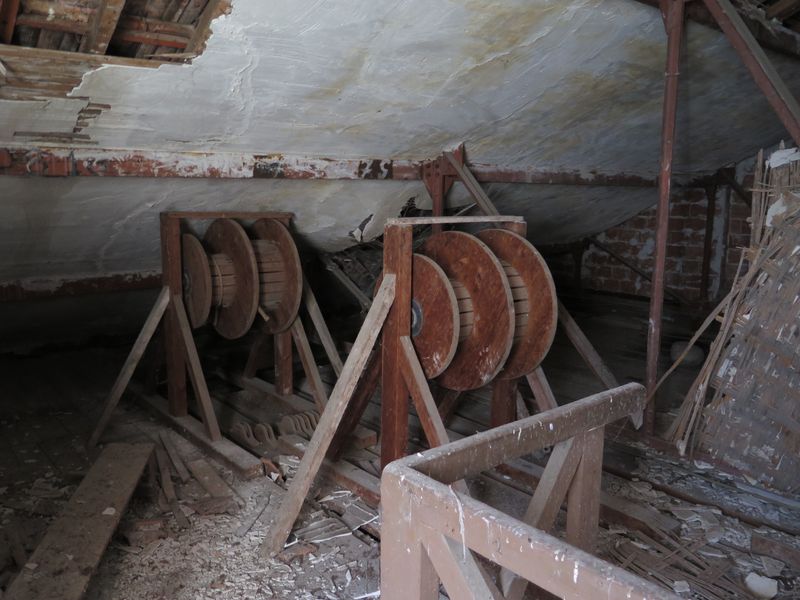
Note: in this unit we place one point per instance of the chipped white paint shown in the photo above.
(574, 85)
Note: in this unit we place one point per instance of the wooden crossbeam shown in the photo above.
(312, 307)
(101, 26)
(757, 62)
(428, 413)
(783, 9)
(331, 418)
(546, 502)
(542, 392)
(458, 569)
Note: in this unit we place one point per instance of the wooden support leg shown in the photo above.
(135, 355)
(171, 268)
(256, 356)
(447, 403)
(583, 503)
(406, 570)
(330, 419)
(309, 364)
(283, 363)
(394, 401)
(458, 569)
(546, 502)
(322, 328)
(585, 348)
(542, 392)
(432, 423)
(367, 386)
(504, 402)
(196, 371)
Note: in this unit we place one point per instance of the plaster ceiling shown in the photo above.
(558, 85)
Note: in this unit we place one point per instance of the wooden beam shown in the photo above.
(755, 59)
(202, 30)
(546, 502)
(309, 364)
(312, 306)
(782, 9)
(196, 371)
(583, 502)
(54, 24)
(101, 26)
(283, 363)
(542, 392)
(8, 18)
(394, 392)
(330, 419)
(135, 355)
(585, 348)
(428, 413)
(63, 562)
(458, 569)
(163, 40)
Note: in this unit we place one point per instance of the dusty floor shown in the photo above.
(49, 404)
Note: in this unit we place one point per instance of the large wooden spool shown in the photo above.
(484, 304)
(228, 276)
(535, 303)
(280, 274)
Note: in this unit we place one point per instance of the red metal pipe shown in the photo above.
(674, 25)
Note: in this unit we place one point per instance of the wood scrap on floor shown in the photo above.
(62, 564)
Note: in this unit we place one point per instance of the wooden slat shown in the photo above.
(135, 355)
(331, 417)
(208, 477)
(174, 457)
(64, 561)
(102, 26)
(783, 9)
(231, 455)
(168, 487)
(472, 185)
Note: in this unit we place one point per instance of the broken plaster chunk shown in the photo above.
(761, 587)
(681, 587)
(772, 567)
(110, 511)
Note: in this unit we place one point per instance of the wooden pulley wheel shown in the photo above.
(280, 275)
(486, 309)
(234, 278)
(435, 324)
(534, 294)
(196, 280)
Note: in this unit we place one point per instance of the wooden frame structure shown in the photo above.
(181, 351)
(432, 531)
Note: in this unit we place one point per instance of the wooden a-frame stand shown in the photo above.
(181, 351)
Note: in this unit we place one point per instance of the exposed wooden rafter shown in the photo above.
(102, 26)
(8, 16)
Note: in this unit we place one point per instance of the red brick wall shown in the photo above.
(635, 241)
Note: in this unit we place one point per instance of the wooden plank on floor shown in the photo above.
(63, 563)
(209, 479)
(236, 458)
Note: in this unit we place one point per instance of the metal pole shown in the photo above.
(674, 25)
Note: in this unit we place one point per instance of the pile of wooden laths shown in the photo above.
(752, 419)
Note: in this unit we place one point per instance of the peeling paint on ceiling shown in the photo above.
(562, 86)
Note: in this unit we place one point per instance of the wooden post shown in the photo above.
(283, 363)
(504, 402)
(394, 404)
(172, 274)
(583, 502)
(330, 419)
